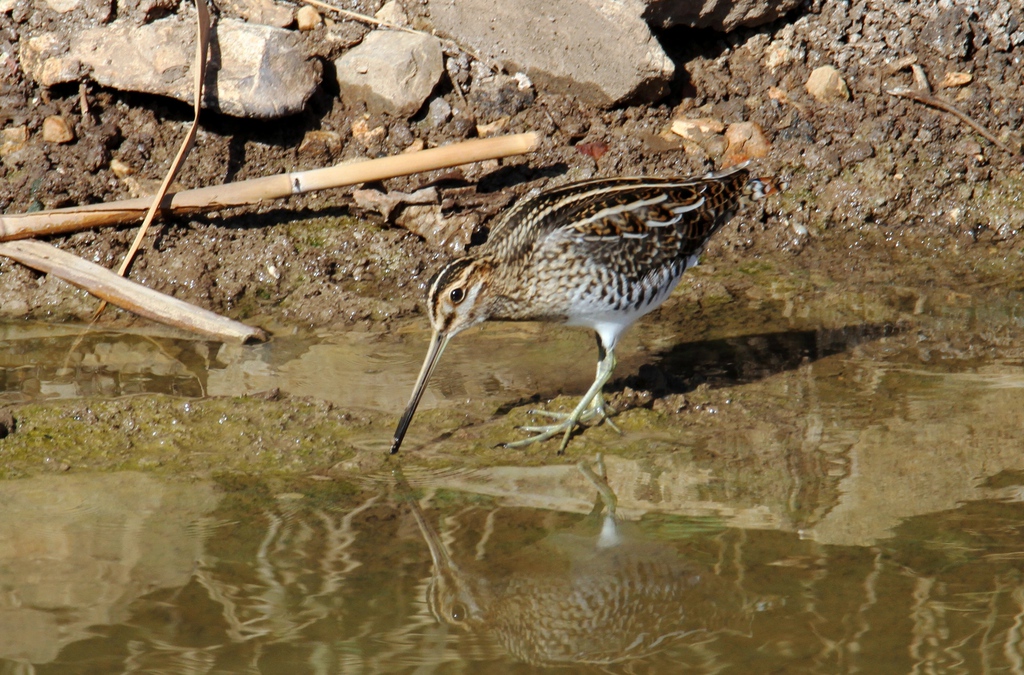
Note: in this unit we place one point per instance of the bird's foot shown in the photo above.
(546, 431)
(597, 410)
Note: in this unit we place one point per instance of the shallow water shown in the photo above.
(129, 573)
(824, 499)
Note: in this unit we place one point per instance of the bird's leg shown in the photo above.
(590, 405)
(609, 536)
(597, 408)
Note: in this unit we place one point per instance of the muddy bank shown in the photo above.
(898, 224)
(874, 182)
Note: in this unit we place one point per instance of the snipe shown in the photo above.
(593, 594)
(599, 253)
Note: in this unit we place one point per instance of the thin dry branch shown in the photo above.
(199, 71)
(261, 190)
(126, 294)
(934, 102)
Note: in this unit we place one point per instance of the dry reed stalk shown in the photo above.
(260, 190)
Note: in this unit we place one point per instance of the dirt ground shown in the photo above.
(882, 194)
(878, 186)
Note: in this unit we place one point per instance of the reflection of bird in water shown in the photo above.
(573, 599)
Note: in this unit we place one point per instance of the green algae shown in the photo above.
(175, 435)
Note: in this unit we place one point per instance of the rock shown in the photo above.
(320, 143)
(63, 6)
(13, 139)
(599, 50)
(492, 128)
(307, 18)
(120, 169)
(954, 79)
(784, 50)
(392, 13)
(453, 233)
(438, 112)
(698, 129)
(400, 134)
(46, 60)
(369, 138)
(145, 11)
(386, 202)
(391, 71)
(701, 135)
(259, 11)
(826, 85)
(595, 149)
(57, 130)
(416, 146)
(746, 141)
(256, 71)
(719, 15)
(97, 10)
(494, 96)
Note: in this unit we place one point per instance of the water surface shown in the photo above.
(827, 491)
(127, 573)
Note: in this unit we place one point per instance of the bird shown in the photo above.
(598, 253)
(598, 593)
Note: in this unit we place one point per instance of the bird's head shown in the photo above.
(457, 296)
(457, 299)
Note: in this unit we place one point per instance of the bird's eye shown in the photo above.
(458, 612)
(457, 295)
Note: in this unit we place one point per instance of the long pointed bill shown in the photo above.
(437, 344)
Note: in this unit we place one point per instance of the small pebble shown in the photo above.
(13, 139)
(120, 169)
(439, 112)
(955, 79)
(307, 18)
(393, 14)
(747, 140)
(826, 85)
(57, 130)
(696, 129)
(367, 136)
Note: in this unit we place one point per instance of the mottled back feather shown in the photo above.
(623, 238)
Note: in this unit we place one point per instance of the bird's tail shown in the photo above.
(757, 189)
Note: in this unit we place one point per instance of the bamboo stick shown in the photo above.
(73, 219)
(126, 294)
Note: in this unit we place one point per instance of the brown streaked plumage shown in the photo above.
(599, 253)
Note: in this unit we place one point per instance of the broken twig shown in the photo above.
(199, 71)
(126, 294)
(932, 101)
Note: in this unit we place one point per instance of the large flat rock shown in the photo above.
(254, 70)
(599, 50)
